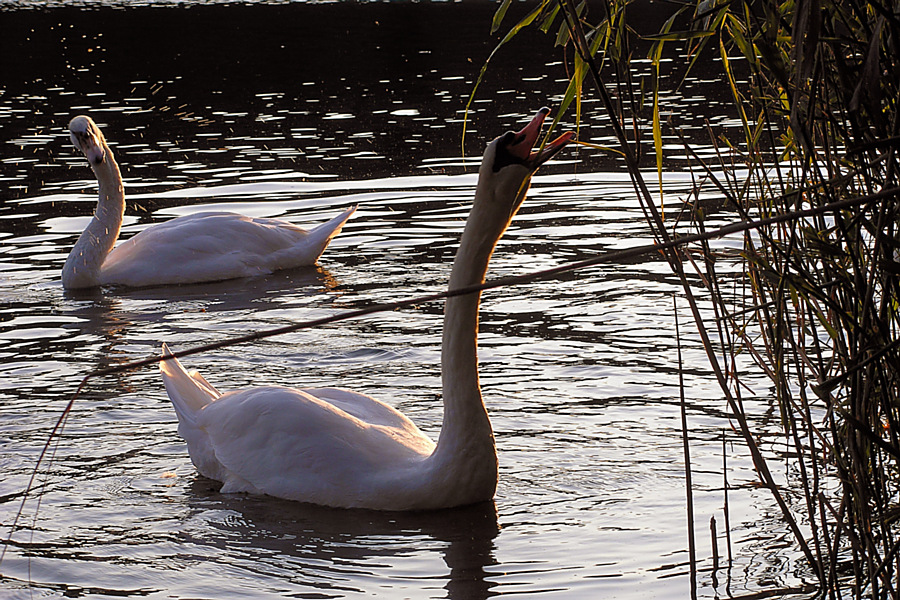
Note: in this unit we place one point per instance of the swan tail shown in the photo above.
(189, 392)
(320, 236)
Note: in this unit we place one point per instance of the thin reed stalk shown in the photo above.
(686, 448)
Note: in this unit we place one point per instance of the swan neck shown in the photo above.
(83, 265)
(466, 442)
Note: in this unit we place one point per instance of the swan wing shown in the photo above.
(215, 246)
(365, 408)
(190, 393)
(289, 443)
(322, 445)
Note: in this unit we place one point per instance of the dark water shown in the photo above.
(296, 111)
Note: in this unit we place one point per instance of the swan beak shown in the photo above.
(550, 149)
(524, 141)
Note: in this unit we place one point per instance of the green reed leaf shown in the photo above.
(547, 23)
(498, 16)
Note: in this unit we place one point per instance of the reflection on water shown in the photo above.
(292, 111)
(269, 536)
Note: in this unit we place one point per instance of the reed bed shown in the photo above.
(816, 304)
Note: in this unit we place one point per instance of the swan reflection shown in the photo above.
(336, 549)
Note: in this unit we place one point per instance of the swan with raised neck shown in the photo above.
(202, 247)
(338, 448)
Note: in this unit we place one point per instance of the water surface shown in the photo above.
(297, 111)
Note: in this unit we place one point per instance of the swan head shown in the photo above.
(86, 137)
(510, 160)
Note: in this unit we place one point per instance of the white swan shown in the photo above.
(209, 246)
(343, 449)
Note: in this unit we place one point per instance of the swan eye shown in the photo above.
(503, 156)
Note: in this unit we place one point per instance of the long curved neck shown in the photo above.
(82, 268)
(466, 443)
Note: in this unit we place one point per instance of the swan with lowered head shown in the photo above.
(207, 246)
(339, 448)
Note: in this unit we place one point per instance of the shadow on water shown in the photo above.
(330, 548)
(231, 294)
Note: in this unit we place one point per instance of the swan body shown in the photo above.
(338, 448)
(208, 246)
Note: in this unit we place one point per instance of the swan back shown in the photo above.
(215, 246)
